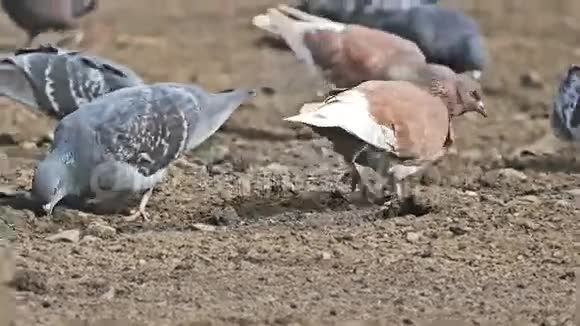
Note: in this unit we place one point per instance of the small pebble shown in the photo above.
(574, 192)
(244, 187)
(564, 204)
(325, 255)
(413, 237)
(109, 295)
(101, 230)
(532, 79)
(28, 145)
(204, 227)
(471, 193)
(458, 230)
(226, 217)
(530, 198)
(513, 174)
(89, 239)
(72, 236)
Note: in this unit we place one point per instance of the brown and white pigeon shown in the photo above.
(396, 128)
(565, 119)
(40, 16)
(346, 54)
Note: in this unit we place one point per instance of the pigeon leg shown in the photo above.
(401, 188)
(397, 187)
(355, 173)
(367, 193)
(141, 211)
(355, 178)
(29, 39)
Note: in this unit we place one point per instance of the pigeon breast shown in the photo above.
(420, 121)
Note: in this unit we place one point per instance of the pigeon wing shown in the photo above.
(59, 81)
(151, 138)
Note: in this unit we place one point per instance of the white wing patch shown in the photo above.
(349, 111)
(49, 89)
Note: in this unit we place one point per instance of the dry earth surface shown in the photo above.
(252, 227)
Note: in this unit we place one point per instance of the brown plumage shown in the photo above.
(347, 54)
(394, 127)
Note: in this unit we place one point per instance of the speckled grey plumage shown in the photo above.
(565, 118)
(343, 10)
(122, 142)
(446, 36)
(57, 81)
(39, 16)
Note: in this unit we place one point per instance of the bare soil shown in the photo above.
(492, 240)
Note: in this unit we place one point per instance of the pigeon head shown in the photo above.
(461, 94)
(51, 182)
(469, 95)
(572, 78)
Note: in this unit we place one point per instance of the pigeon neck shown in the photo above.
(440, 90)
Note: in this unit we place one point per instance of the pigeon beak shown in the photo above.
(481, 109)
(49, 207)
(476, 74)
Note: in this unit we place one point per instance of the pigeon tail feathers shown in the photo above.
(292, 31)
(220, 107)
(350, 112)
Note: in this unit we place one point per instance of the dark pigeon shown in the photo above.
(57, 81)
(446, 36)
(39, 16)
(123, 142)
(343, 10)
(565, 118)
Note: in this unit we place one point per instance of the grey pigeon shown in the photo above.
(446, 36)
(39, 16)
(342, 10)
(565, 119)
(57, 81)
(123, 142)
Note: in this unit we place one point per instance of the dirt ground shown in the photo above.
(253, 227)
